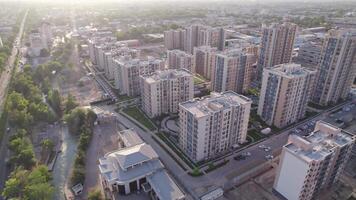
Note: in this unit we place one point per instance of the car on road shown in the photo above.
(240, 157)
(269, 157)
(246, 154)
(262, 146)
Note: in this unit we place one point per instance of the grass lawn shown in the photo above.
(198, 80)
(176, 150)
(255, 135)
(124, 98)
(138, 115)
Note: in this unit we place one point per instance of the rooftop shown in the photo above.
(167, 74)
(290, 70)
(321, 142)
(129, 163)
(164, 186)
(215, 102)
(130, 138)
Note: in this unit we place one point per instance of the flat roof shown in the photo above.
(130, 137)
(319, 143)
(168, 74)
(215, 102)
(164, 186)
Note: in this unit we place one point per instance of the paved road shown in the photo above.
(223, 176)
(5, 80)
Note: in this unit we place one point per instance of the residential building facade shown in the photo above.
(337, 67)
(311, 164)
(177, 59)
(213, 125)
(127, 73)
(162, 91)
(276, 47)
(284, 95)
(233, 71)
(204, 60)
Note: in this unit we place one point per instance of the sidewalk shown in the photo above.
(181, 162)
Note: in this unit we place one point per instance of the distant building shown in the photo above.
(175, 39)
(36, 44)
(276, 45)
(204, 60)
(162, 91)
(233, 70)
(311, 164)
(337, 67)
(127, 73)
(194, 36)
(95, 44)
(136, 167)
(46, 34)
(285, 92)
(213, 125)
(177, 59)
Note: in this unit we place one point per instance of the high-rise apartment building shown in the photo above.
(312, 163)
(177, 59)
(175, 39)
(277, 43)
(337, 67)
(204, 60)
(194, 36)
(285, 92)
(309, 55)
(233, 71)
(127, 73)
(212, 125)
(162, 91)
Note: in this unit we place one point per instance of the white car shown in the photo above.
(262, 146)
(269, 157)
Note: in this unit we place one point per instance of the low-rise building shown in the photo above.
(137, 167)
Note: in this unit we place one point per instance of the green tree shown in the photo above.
(29, 185)
(54, 99)
(15, 184)
(75, 119)
(95, 194)
(70, 103)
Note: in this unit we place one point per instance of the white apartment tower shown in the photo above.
(312, 163)
(212, 125)
(233, 71)
(162, 91)
(337, 67)
(277, 43)
(127, 73)
(204, 60)
(194, 36)
(177, 59)
(175, 39)
(284, 94)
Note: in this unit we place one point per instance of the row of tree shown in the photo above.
(26, 105)
(80, 122)
(28, 181)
